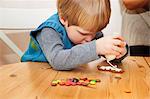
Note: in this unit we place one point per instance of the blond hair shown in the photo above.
(91, 15)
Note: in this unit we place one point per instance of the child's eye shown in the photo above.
(83, 34)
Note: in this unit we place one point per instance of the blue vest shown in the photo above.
(34, 52)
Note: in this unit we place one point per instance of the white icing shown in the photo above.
(111, 68)
(110, 57)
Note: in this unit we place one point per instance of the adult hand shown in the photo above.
(134, 4)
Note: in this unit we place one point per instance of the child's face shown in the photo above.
(79, 36)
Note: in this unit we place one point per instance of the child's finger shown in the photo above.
(117, 57)
(118, 37)
(118, 49)
(124, 51)
(114, 53)
(119, 43)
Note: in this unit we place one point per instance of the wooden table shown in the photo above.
(31, 80)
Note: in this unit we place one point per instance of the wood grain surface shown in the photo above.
(32, 80)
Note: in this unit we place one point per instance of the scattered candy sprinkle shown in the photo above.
(75, 81)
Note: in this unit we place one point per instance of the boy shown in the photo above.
(68, 39)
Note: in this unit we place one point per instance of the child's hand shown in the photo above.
(122, 54)
(112, 45)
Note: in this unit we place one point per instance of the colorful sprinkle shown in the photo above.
(75, 81)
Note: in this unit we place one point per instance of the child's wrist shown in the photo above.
(99, 47)
(97, 51)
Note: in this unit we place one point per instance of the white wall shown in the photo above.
(25, 13)
(30, 13)
(115, 20)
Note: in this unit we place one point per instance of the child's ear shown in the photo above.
(63, 21)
